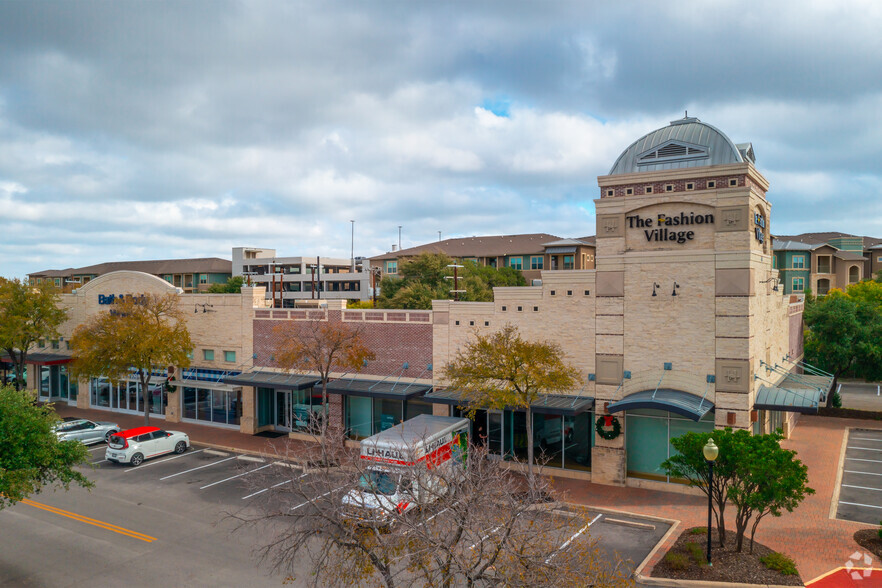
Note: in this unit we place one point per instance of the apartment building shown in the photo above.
(822, 261)
(190, 275)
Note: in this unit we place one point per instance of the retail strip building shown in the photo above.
(679, 327)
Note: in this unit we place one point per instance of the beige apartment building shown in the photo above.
(531, 254)
(190, 275)
(678, 328)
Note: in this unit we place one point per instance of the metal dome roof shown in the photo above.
(686, 142)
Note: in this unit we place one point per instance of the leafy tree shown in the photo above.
(503, 370)
(844, 331)
(31, 456)
(753, 472)
(426, 277)
(232, 286)
(322, 347)
(143, 334)
(27, 314)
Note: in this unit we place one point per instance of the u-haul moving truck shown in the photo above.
(408, 466)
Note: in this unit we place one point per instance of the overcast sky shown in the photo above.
(152, 130)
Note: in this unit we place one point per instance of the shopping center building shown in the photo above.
(680, 326)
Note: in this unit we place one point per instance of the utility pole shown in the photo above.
(318, 270)
(399, 237)
(352, 251)
(439, 236)
(455, 277)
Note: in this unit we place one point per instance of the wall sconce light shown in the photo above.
(654, 286)
(776, 280)
(676, 287)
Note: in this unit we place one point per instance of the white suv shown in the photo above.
(136, 445)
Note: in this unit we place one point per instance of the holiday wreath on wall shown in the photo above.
(608, 427)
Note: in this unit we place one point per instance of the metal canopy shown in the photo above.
(805, 401)
(377, 388)
(555, 250)
(207, 385)
(42, 358)
(563, 404)
(676, 401)
(273, 380)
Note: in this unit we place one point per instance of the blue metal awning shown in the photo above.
(805, 400)
(676, 401)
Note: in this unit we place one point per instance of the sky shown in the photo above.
(159, 130)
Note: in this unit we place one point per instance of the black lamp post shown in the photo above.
(710, 454)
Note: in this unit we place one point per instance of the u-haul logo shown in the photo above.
(381, 452)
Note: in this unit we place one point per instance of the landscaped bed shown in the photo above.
(869, 539)
(686, 560)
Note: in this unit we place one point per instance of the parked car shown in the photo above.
(135, 445)
(84, 430)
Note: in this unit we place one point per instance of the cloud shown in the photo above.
(184, 129)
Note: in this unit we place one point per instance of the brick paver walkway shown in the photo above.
(817, 543)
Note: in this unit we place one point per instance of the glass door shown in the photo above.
(283, 410)
(494, 432)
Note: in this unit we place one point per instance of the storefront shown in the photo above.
(125, 395)
(284, 402)
(371, 406)
(563, 429)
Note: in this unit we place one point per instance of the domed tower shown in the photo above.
(685, 305)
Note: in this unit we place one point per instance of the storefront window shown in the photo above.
(359, 422)
(416, 407)
(100, 392)
(387, 413)
(652, 431)
(44, 381)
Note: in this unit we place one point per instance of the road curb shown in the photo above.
(674, 583)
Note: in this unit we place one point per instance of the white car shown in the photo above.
(84, 430)
(136, 445)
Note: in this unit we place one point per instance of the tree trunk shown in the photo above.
(721, 520)
(18, 364)
(530, 446)
(326, 415)
(145, 391)
(829, 403)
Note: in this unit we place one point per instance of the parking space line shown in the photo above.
(865, 473)
(865, 448)
(485, 536)
(273, 486)
(89, 521)
(322, 496)
(234, 477)
(858, 459)
(96, 448)
(573, 538)
(857, 504)
(430, 518)
(97, 462)
(199, 468)
(866, 439)
(147, 465)
(862, 487)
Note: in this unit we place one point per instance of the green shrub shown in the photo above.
(696, 551)
(836, 401)
(677, 561)
(780, 562)
(879, 532)
(698, 531)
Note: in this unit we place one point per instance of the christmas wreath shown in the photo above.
(608, 427)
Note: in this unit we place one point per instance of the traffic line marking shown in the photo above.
(90, 521)
(147, 465)
(865, 473)
(573, 538)
(866, 439)
(865, 448)
(208, 465)
(862, 487)
(96, 449)
(273, 486)
(322, 496)
(234, 477)
(858, 459)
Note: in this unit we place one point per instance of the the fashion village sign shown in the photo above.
(664, 227)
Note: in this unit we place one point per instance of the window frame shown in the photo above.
(801, 284)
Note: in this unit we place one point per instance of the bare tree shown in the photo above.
(322, 347)
(476, 525)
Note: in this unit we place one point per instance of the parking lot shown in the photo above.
(166, 522)
(860, 495)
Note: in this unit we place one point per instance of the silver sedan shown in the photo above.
(85, 431)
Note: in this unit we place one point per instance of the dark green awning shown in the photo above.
(565, 404)
(805, 400)
(390, 390)
(279, 380)
(676, 401)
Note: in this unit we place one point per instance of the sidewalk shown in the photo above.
(816, 542)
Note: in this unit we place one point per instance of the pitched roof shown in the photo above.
(849, 256)
(790, 245)
(482, 246)
(206, 265)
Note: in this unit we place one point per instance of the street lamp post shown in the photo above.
(710, 454)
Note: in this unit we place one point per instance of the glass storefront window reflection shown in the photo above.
(222, 407)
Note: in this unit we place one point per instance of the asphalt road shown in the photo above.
(167, 523)
(861, 396)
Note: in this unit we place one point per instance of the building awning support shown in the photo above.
(559, 404)
(823, 383)
(668, 399)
